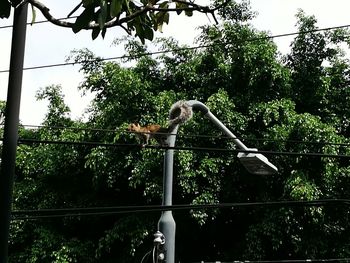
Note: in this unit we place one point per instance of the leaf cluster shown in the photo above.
(141, 18)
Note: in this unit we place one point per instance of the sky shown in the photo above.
(48, 44)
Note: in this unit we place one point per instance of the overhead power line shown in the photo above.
(182, 48)
(277, 261)
(112, 58)
(181, 135)
(40, 22)
(178, 148)
(104, 211)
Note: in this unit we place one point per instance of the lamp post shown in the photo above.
(254, 162)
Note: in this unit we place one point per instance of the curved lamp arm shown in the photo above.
(255, 163)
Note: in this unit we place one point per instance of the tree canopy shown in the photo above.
(295, 104)
(139, 17)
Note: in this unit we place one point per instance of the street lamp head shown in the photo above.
(257, 163)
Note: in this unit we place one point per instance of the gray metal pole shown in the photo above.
(166, 223)
(8, 158)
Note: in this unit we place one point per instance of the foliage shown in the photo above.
(2, 115)
(5, 7)
(142, 18)
(315, 85)
(245, 83)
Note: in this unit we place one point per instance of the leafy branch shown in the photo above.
(143, 17)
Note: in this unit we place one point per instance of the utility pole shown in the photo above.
(8, 157)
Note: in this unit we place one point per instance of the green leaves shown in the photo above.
(180, 6)
(299, 187)
(161, 18)
(116, 8)
(5, 9)
(188, 12)
(104, 11)
(88, 3)
(141, 18)
(94, 12)
(33, 14)
(310, 51)
(143, 28)
(84, 19)
(102, 15)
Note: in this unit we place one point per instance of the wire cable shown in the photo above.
(278, 261)
(104, 211)
(121, 130)
(40, 22)
(74, 128)
(179, 148)
(182, 48)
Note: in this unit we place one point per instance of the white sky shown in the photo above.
(49, 44)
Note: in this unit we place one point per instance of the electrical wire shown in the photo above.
(121, 130)
(277, 261)
(179, 148)
(182, 48)
(40, 22)
(138, 209)
(107, 59)
(74, 128)
(105, 211)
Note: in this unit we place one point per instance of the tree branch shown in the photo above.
(46, 13)
(119, 22)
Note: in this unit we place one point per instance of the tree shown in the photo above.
(249, 88)
(319, 73)
(141, 18)
(301, 178)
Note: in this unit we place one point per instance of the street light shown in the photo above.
(255, 163)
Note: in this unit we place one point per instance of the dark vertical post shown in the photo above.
(8, 157)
